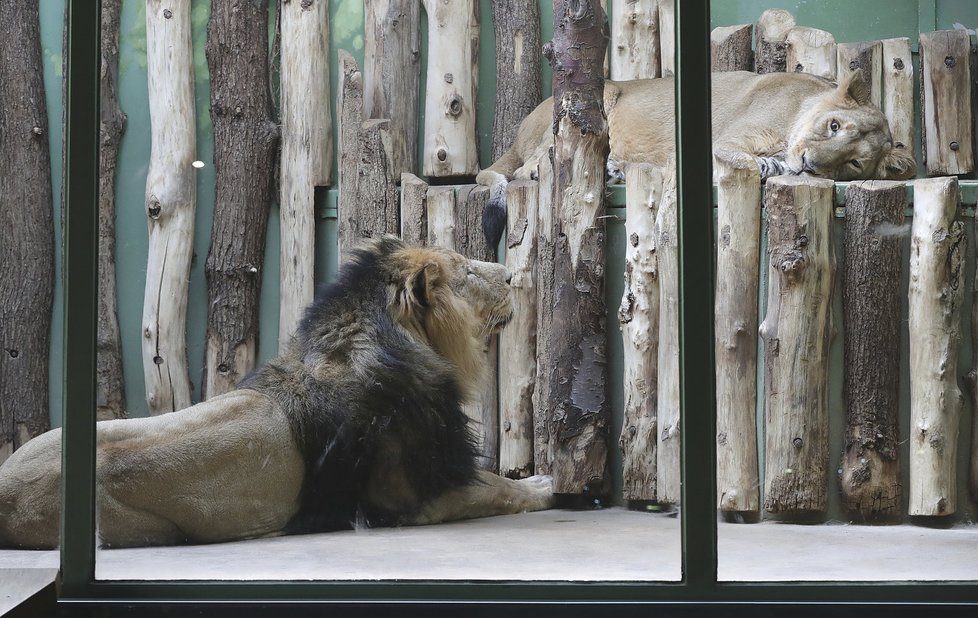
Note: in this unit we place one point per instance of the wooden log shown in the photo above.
(796, 334)
(414, 217)
(440, 214)
(27, 233)
(110, 398)
(518, 92)
(635, 39)
(972, 382)
(451, 145)
(867, 56)
(898, 93)
(946, 128)
(771, 55)
(738, 262)
(241, 112)
(518, 341)
(937, 264)
(577, 404)
(638, 315)
(392, 72)
(668, 438)
(870, 468)
(667, 37)
(811, 50)
(731, 48)
(546, 336)
(170, 204)
(307, 151)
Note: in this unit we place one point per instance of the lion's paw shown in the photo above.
(541, 492)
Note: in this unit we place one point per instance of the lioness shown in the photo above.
(357, 423)
(791, 122)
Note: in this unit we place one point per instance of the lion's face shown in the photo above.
(844, 137)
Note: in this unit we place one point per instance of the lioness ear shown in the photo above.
(898, 164)
(856, 87)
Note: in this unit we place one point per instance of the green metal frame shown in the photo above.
(698, 593)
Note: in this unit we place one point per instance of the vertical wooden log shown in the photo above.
(391, 73)
(450, 146)
(517, 27)
(517, 342)
(772, 47)
(898, 92)
(440, 203)
(668, 438)
(635, 39)
(546, 336)
(241, 111)
(870, 480)
(170, 204)
(738, 261)
(667, 37)
(414, 218)
(307, 151)
(110, 386)
(638, 315)
(811, 50)
(731, 48)
(972, 381)
(937, 262)
(577, 406)
(867, 56)
(796, 334)
(27, 232)
(946, 102)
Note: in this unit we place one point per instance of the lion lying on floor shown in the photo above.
(357, 423)
(793, 123)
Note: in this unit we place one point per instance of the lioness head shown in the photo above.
(844, 137)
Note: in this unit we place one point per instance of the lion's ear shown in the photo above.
(420, 284)
(898, 164)
(855, 87)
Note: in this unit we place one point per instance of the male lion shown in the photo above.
(790, 122)
(357, 423)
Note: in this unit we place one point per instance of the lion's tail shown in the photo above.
(496, 177)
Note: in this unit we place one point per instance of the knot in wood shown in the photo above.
(306, 4)
(158, 360)
(949, 62)
(507, 426)
(954, 146)
(803, 241)
(799, 68)
(222, 368)
(898, 64)
(455, 106)
(37, 131)
(167, 13)
(633, 239)
(441, 155)
(797, 443)
(449, 78)
(13, 353)
(853, 65)
(154, 208)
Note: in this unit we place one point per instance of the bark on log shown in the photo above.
(796, 334)
(635, 39)
(171, 187)
(667, 37)
(738, 263)
(577, 405)
(518, 341)
(451, 145)
(307, 151)
(867, 56)
(898, 95)
(544, 389)
(241, 112)
(517, 27)
(414, 217)
(668, 438)
(811, 50)
(731, 48)
(945, 84)
(772, 47)
(937, 263)
(638, 315)
(870, 469)
(27, 232)
(972, 380)
(391, 73)
(110, 386)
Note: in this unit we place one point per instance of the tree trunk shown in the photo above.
(730, 48)
(577, 405)
(110, 386)
(517, 342)
(27, 230)
(972, 380)
(811, 50)
(307, 151)
(635, 40)
(171, 187)
(544, 390)
(945, 85)
(867, 56)
(937, 263)
(738, 263)
(870, 480)
(667, 37)
(898, 92)
(414, 216)
(772, 47)
(451, 147)
(391, 73)
(668, 437)
(237, 50)
(796, 334)
(639, 318)
(517, 27)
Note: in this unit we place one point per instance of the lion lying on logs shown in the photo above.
(792, 123)
(357, 423)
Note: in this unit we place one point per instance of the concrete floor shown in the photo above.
(611, 544)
